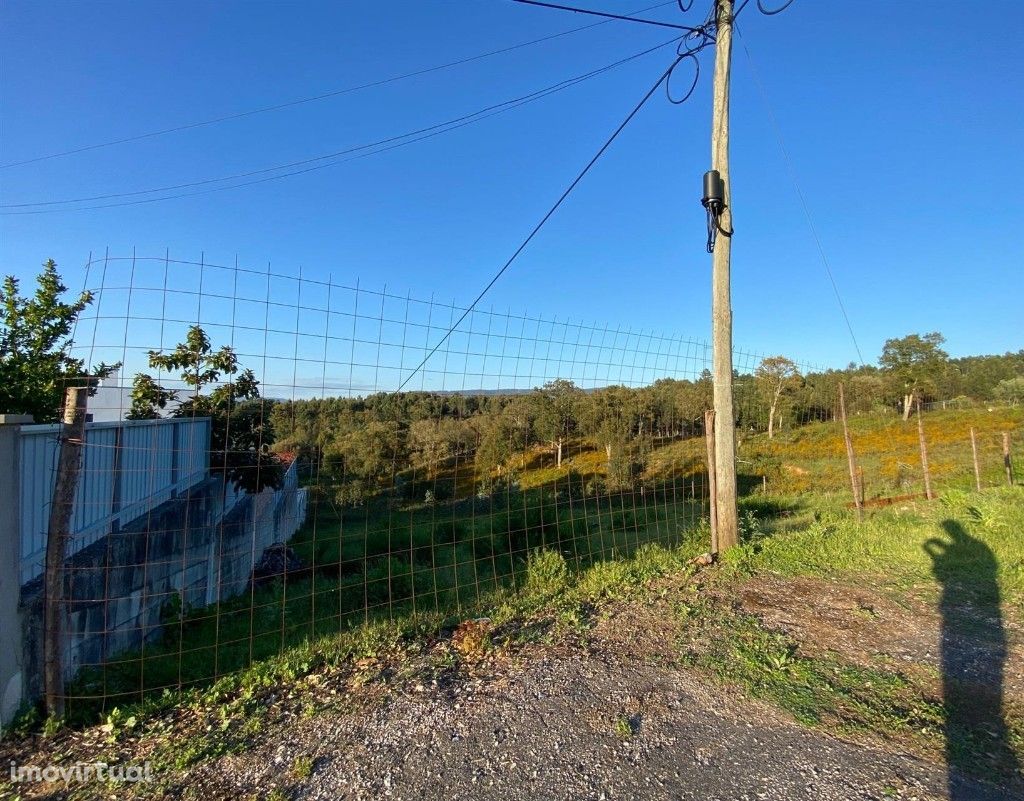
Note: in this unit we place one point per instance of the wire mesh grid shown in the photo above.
(236, 513)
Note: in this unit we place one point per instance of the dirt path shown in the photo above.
(575, 723)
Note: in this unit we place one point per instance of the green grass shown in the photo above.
(386, 566)
(379, 562)
(890, 547)
(738, 649)
(623, 727)
(963, 555)
(302, 767)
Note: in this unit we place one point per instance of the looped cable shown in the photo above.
(768, 12)
(715, 227)
(700, 36)
(693, 86)
(772, 12)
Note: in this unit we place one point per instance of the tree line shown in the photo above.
(365, 443)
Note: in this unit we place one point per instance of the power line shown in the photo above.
(796, 185)
(372, 148)
(536, 229)
(313, 98)
(622, 17)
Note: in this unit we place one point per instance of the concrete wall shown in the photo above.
(11, 691)
(196, 549)
(128, 468)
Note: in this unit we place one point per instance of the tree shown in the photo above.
(371, 452)
(608, 418)
(202, 366)
(241, 434)
(1011, 390)
(35, 336)
(776, 375)
(495, 448)
(867, 391)
(518, 418)
(676, 406)
(914, 363)
(504, 434)
(431, 442)
(556, 416)
(148, 398)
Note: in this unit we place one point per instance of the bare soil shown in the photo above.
(870, 627)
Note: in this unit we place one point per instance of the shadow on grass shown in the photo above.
(973, 654)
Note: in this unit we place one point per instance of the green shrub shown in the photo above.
(547, 574)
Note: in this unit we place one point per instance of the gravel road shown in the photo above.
(573, 723)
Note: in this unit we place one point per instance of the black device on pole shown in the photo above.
(714, 191)
(714, 201)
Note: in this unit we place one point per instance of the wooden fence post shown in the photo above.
(850, 459)
(709, 436)
(974, 452)
(1007, 463)
(69, 463)
(924, 455)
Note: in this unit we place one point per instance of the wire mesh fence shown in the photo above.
(323, 498)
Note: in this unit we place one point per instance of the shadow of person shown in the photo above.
(973, 653)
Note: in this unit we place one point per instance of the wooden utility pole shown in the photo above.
(721, 297)
(850, 459)
(709, 437)
(924, 455)
(69, 463)
(974, 452)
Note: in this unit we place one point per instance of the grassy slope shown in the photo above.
(889, 549)
(821, 690)
(378, 561)
(809, 458)
(375, 565)
(812, 458)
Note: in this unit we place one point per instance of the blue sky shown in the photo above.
(902, 120)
